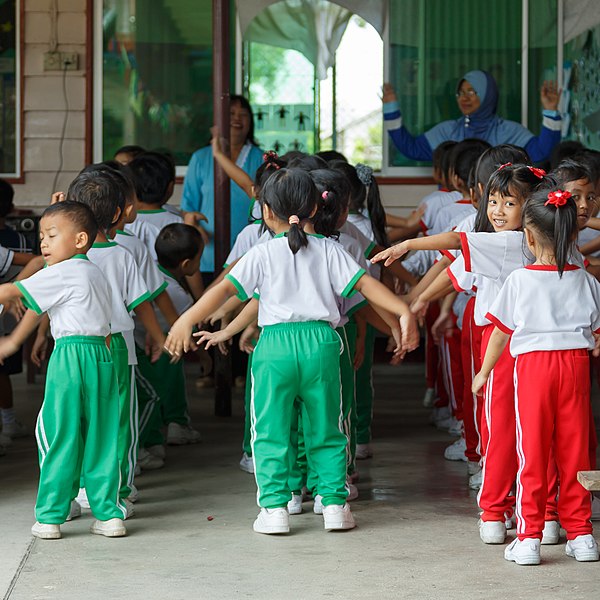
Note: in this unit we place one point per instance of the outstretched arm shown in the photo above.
(443, 241)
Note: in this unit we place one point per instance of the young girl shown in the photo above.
(492, 257)
(550, 313)
(298, 278)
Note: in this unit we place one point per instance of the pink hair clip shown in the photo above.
(325, 195)
(504, 166)
(539, 173)
(270, 155)
(294, 220)
(558, 198)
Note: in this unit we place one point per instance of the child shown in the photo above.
(78, 422)
(125, 154)
(549, 312)
(163, 399)
(297, 356)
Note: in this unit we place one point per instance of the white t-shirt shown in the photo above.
(143, 259)
(296, 287)
(433, 203)
(468, 226)
(545, 312)
(450, 216)
(349, 305)
(587, 235)
(245, 239)
(128, 288)
(362, 223)
(6, 258)
(74, 293)
(366, 243)
(148, 225)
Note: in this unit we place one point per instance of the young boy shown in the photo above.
(79, 418)
(162, 395)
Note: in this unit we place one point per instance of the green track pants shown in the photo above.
(77, 431)
(364, 391)
(297, 360)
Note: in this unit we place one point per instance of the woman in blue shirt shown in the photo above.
(198, 187)
(477, 97)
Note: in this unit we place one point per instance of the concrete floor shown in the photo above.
(416, 538)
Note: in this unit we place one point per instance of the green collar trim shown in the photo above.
(166, 272)
(123, 232)
(80, 256)
(151, 211)
(104, 244)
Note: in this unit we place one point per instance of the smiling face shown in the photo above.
(60, 239)
(239, 123)
(504, 212)
(584, 194)
(467, 98)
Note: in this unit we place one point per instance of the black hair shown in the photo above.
(476, 146)
(131, 149)
(152, 175)
(7, 194)
(565, 149)
(177, 242)
(99, 190)
(237, 99)
(440, 151)
(329, 155)
(291, 192)
(334, 193)
(571, 170)
(591, 159)
(555, 226)
(445, 164)
(122, 176)
(79, 214)
(465, 162)
(271, 164)
(291, 154)
(517, 181)
(364, 188)
(308, 162)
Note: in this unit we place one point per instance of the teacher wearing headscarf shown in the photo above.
(477, 97)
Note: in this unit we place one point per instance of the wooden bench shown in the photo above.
(590, 480)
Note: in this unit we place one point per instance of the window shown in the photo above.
(432, 43)
(10, 126)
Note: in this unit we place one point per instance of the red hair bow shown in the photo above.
(539, 173)
(504, 166)
(270, 155)
(558, 198)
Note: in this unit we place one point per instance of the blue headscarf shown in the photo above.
(484, 123)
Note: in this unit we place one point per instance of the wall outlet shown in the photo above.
(59, 61)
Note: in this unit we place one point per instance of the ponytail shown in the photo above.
(374, 206)
(296, 235)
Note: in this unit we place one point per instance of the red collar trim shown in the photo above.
(463, 201)
(551, 267)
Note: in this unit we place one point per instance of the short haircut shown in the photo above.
(79, 214)
(329, 155)
(122, 178)
(131, 149)
(98, 190)
(177, 242)
(7, 193)
(152, 173)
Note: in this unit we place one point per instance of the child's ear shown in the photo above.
(529, 238)
(184, 264)
(82, 240)
(116, 216)
(481, 189)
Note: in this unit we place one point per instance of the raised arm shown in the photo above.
(443, 241)
(231, 169)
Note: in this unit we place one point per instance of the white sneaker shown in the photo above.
(583, 548)
(82, 498)
(441, 417)
(129, 508)
(46, 531)
(492, 532)
(318, 505)
(247, 463)
(336, 516)
(157, 450)
(476, 480)
(473, 467)
(595, 508)
(363, 451)
(456, 427)
(5, 441)
(551, 533)
(111, 528)
(456, 451)
(180, 435)
(429, 397)
(523, 552)
(134, 494)
(75, 511)
(295, 504)
(15, 430)
(148, 462)
(352, 491)
(272, 520)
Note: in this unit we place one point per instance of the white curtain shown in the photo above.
(580, 15)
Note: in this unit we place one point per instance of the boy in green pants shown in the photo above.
(78, 423)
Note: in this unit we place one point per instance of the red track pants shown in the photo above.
(552, 403)
(451, 360)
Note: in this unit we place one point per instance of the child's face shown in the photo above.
(60, 239)
(504, 212)
(584, 194)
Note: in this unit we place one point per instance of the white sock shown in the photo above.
(8, 415)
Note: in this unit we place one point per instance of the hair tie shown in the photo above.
(504, 166)
(365, 174)
(274, 165)
(325, 195)
(294, 220)
(539, 173)
(270, 155)
(558, 198)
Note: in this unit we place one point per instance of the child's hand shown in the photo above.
(249, 339)
(7, 348)
(179, 339)
(415, 217)
(214, 338)
(38, 350)
(359, 353)
(443, 325)
(410, 333)
(478, 382)
(57, 197)
(398, 351)
(596, 350)
(419, 309)
(391, 254)
(16, 308)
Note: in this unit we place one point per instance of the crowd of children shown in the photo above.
(495, 272)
